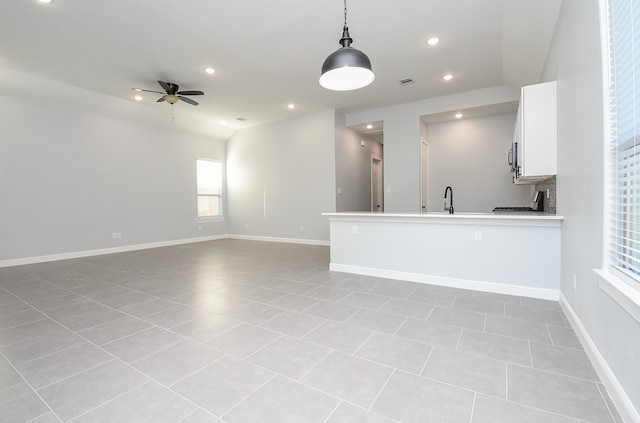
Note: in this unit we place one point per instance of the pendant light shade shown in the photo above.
(346, 68)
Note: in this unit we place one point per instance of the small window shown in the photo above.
(209, 191)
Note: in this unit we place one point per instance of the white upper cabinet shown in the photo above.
(535, 133)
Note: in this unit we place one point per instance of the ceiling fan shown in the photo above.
(172, 94)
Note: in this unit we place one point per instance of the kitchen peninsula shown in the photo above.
(515, 254)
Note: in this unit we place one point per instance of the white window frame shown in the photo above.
(619, 278)
(218, 194)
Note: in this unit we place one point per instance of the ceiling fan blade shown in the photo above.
(165, 86)
(160, 100)
(147, 91)
(190, 93)
(188, 100)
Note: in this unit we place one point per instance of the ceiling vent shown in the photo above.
(241, 119)
(406, 81)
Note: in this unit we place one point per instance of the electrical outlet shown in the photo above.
(246, 226)
(301, 228)
(575, 282)
(478, 236)
(354, 230)
(116, 235)
(339, 190)
(548, 194)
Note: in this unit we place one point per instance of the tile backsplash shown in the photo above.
(549, 203)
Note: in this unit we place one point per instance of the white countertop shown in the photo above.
(517, 218)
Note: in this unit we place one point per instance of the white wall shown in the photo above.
(470, 156)
(402, 139)
(69, 179)
(576, 62)
(291, 164)
(353, 170)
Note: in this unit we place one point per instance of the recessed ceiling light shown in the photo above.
(210, 70)
(369, 126)
(291, 106)
(448, 77)
(223, 122)
(45, 1)
(137, 89)
(138, 97)
(458, 115)
(433, 41)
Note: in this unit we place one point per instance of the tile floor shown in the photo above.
(240, 331)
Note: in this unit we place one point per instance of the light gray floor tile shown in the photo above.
(54, 367)
(449, 290)
(174, 316)
(540, 304)
(339, 336)
(295, 302)
(365, 284)
(254, 313)
(556, 393)
(350, 378)
(283, 401)
(407, 308)
(200, 416)
(468, 371)
(19, 403)
(263, 295)
(502, 298)
(328, 293)
(20, 318)
(430, 333)
(292, 287)
(126, 300)
(149, 403)
(139, 345)
(363, 299)
(517, 328)
(40, 346)
(564, 337)
(479, 306)
(78, 394)
(394, 289)
(409, 398)
(433, 298)
(243, 340)
(461, 318)
(497, 347)
(566, 361)
(172, 364)
(612, 408)
(223, 384)
(84, 315)
(289, 357)
(205, 329)
(333, 311)
(377, 320)
(45, 418)
(23, 333)
(51, 303)
(147, 308)
(551, 316)
(494, 410)
(293, 324)
(13, 307)
(394, 351)
(114, 330)
(350, 413)
(8, 375)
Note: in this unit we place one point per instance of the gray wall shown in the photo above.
(470, 155)
(353, 170)
(576, 62)
(69, 179)
(290, 163)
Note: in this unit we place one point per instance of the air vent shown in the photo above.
(406, 81)
(241, 119)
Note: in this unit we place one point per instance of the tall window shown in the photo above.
(209, 182)
(624, 142)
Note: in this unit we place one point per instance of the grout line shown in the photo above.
(424, 366)
(473, 406)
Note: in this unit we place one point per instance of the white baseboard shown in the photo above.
(496, 288)
(619, 397)
(99, 252)
(284, 240)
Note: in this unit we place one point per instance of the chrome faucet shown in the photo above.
(450, 208)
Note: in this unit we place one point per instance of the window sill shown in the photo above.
(210, 219)
(627, 297)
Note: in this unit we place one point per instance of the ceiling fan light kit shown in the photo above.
(346, 68)
(172, 95)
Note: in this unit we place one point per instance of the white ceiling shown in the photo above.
(267, 53)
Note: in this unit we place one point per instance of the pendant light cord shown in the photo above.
(345, 12)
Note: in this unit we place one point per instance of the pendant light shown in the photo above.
(346, 68)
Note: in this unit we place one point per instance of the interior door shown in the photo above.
(377, 200)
